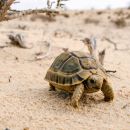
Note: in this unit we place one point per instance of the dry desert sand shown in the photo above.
(24, 97)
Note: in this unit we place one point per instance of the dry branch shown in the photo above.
(49, 4)
(115, 45)
(4, 8)
(101, 56)
(91, 44)
(111, 71)
(14, 15)
(60, 4)
(65, 49)
(112, 42)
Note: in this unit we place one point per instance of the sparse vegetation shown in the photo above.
(119, 12)
(60, 4)
(43, 17)
(99, 12)
(91, 21)
(65, 15)
(5, 7)
(119, 22)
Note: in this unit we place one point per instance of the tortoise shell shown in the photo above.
(71, 68)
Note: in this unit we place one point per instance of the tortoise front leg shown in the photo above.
(52, 88)
(107, 91)
(77, 95)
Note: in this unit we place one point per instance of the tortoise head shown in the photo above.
(94, 83)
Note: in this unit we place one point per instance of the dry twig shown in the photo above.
(112, 42)
(126, 105)
(111, 71)
(115, 45)
(101, 56)
(60, 4)
(65, 49)
(91, 44)
(49, 4)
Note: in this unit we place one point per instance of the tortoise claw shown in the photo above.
(108, 99)
(74, 104)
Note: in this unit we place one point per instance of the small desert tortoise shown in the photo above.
(77, 73)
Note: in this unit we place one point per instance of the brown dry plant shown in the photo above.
(4, 7)
(119, 22)
(60, 4)
(91, 21)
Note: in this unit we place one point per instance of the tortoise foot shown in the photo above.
(74, 104)
(52, 88)
(108, 99)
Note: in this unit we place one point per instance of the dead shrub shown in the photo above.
(119, 22)
(99, 12)
(44, 18)
(91, 21)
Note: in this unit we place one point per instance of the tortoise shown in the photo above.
(77, 73)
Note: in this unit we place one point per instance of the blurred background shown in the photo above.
(74, 4)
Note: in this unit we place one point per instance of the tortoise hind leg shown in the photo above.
(77, 95)
(107, 91)
(52, 88)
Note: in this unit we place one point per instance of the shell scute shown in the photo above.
(71, 68)
(58, 62)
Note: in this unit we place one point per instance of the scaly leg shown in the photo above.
(77, 95)
(107, 91)
(52, 88)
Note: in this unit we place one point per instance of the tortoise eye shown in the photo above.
(92, 81)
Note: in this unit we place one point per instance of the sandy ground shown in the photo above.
(24, 97)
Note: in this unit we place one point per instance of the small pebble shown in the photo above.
(26, 128)
(7, 129)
